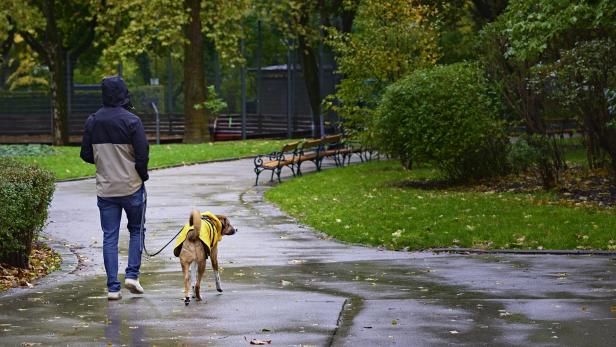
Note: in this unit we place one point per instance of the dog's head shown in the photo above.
(227, 228)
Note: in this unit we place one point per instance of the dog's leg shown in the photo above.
(193, 277)
(186, 272)
(214, 259)
(200, 272)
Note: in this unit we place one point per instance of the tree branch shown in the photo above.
(87, 41)
(35, 45)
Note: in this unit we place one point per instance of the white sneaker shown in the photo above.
(133, 286)
(114, 296)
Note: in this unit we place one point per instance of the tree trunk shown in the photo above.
(310, 69)
(59, 91)
(196, 128)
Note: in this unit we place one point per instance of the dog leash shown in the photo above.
(142, 232)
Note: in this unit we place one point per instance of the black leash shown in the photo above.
(142, 233)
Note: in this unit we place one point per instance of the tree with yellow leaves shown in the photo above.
(389, 39)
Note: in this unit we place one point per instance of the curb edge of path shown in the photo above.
(523, 251)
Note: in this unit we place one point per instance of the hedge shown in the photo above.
(25, 194)
(446, 115)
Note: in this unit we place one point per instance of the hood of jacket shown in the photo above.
(115, 93)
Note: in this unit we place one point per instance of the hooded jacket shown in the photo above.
(114, 140)
(210, 233)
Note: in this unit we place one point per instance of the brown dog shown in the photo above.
(198, 240)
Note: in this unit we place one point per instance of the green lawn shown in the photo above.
(65, 162)
(368, 204)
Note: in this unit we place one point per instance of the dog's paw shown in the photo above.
(186, 301)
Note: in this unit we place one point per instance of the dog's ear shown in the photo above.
(223, 220)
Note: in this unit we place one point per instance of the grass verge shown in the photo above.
(370, 204)
(65, 162)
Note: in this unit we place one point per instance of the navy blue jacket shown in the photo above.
(114, 140)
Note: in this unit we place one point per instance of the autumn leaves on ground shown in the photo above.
(43, 260)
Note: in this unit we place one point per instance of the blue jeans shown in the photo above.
(111, 214)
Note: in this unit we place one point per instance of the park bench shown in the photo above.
(352, 147)
(276, 161)
(293, 155)
(316, 150)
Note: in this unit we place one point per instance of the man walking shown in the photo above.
(114, 140)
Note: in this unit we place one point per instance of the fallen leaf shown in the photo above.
(260, 342)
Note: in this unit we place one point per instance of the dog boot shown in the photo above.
(217, 277)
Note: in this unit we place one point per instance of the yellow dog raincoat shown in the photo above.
(211, 232)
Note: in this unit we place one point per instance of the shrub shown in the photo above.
(25, 194)
(445, 115)
(538, 154)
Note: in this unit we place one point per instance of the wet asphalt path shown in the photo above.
(287, 283)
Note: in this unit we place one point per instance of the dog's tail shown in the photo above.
(194, 220)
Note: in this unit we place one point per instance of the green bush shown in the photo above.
(446, 115)
(522, 156)
(538, 154)
(25, 194)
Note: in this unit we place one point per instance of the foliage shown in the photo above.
(445, 115)
(5, 25)
(213, 103)
(522, 156)
(28, 71)
(568, 48)
(390, 39)
(59, 32)
(130, 28)
(535, 27)
(538, 154)
(25, 194)
(156, 26)
(375, 204)
(223, 23)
